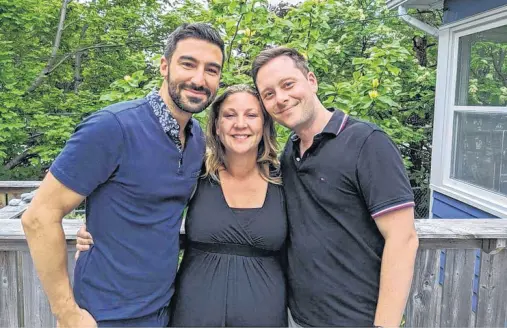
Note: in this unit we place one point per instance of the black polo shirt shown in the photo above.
(351, 174)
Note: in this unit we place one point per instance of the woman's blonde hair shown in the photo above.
(267, 160)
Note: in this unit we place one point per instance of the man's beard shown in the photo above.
(193, 105)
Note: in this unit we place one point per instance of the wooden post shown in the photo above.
(424, 303)
(458, 288)
(492, 298)
(8, 290)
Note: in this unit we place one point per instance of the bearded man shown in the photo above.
(136, 163)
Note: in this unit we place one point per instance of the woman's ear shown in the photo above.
(217, 128)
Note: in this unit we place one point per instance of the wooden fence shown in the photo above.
(431, 303)
(13, 189)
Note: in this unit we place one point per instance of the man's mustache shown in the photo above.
(196, 88)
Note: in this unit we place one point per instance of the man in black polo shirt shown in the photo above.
(352, 242)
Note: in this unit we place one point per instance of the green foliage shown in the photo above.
(488, 68)
(362, 55)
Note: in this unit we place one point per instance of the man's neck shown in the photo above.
(315, 126)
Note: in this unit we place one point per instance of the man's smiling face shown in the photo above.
(193, 74)
(286, 92)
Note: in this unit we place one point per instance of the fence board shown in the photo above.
(458, 288)
(492, 305)
(423, 306)
(8, 290)
(36, 306)
(37, 312)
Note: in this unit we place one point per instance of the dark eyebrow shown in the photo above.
(192, 59)
(187, 58)
(215, 65)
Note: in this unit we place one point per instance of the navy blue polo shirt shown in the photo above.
(351, 174)
(137, 184)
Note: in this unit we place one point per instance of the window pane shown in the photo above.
(480, 150)
(482, 69)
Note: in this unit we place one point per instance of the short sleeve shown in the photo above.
(382, 176)
(91, 155)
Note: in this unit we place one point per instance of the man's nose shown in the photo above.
(198, 77)
(282, 98)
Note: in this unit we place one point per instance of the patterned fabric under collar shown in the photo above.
(167, 121)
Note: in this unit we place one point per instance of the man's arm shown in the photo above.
(42, 223)
(387, 193)
(401, 243)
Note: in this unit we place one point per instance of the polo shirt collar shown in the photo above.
(162, 112)
(335, 125)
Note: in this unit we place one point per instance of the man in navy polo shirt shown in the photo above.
(352, 242)
(136, 163)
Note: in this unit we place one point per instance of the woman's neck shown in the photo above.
(242, 166)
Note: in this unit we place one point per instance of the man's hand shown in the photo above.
(83, 241)
(76, 318)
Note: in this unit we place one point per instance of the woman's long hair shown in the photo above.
(267, 160)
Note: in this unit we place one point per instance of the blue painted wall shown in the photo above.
(459, 9)
(448, 208)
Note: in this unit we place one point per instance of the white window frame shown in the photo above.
(445, 108)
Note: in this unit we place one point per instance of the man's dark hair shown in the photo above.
(198, 31)
(269, 54)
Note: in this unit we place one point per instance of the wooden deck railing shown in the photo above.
(441, 296)
(13, 189)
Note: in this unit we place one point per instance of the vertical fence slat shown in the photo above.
(458, 288)
(492, 303)
(37, 310)
(8, 290)
(71, 263)
(423, 306)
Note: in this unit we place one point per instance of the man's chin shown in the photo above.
(192, 109)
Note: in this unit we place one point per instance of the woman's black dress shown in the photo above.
(231, 273)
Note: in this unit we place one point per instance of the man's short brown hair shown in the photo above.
(269, 54)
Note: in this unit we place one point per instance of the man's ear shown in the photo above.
(312, 79)
(164, 67)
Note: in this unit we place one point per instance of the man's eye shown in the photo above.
(289, 84)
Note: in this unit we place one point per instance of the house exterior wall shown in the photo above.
(455, 10)
(446, 207)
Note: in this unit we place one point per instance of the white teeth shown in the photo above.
(240, 136)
